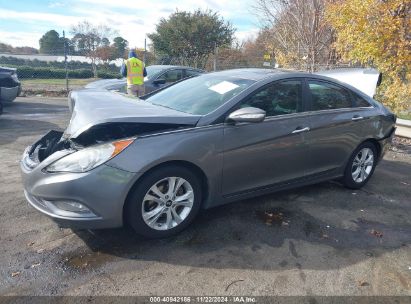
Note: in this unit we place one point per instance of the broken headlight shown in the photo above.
(88, 158)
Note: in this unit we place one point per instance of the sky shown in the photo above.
(23, 22)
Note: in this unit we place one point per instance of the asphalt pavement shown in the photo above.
(317, 240)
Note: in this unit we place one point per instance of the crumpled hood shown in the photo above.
(99, 107)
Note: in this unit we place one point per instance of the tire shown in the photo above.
(359, 169)
(162, 212)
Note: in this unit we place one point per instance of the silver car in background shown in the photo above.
(155, 162)
(158, 76)
(10, 86)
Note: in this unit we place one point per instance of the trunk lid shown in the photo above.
(365, 80)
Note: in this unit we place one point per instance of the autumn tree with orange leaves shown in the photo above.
(377, 33)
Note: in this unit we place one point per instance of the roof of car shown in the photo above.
(165, 66)
(256, 73)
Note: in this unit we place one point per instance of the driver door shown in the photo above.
(260, 155)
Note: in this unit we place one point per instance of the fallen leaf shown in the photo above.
(376, 233)
(363, 283)
(40, 251)
(30, 244)
(15, 274)
(35, 265)
(272, 217)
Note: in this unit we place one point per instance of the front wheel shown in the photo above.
(361, 166)
(164, 202)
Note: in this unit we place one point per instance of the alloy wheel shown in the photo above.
(362, 165)
(167, 203)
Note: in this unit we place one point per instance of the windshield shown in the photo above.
(153, 70)
(200, 95)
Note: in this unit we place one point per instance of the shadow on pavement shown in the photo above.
(27, 119)
(13, 129)
(322, 226)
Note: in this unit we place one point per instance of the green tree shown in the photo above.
(120, 44)
(50, 43)
(105, 42)
(189, 38)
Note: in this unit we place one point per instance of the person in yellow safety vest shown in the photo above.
(135, 72)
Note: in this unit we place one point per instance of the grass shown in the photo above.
(405, 115)
(56, 82)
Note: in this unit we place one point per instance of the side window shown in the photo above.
(172, 76)
(278, 98)
(191, 73)
(326, 96)
(360, 102)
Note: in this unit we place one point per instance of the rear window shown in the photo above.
(190, 73)
(360, 102)
(327, 96)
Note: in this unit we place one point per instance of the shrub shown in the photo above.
(107, 75)
(27, 72)
(72, 65)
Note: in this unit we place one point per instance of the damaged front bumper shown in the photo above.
(88, 200)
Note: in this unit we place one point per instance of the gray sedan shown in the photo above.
(158, 76)
(155, 162)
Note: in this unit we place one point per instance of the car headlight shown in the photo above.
(88, 158)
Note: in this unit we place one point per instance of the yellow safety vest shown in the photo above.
(135, 68)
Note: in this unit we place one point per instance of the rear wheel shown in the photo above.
(361, 166)
(164, 202)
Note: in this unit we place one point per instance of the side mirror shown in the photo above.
(249, 114)
(159, 81)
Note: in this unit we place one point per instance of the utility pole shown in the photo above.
(145, 50)
(65, 61)
(215, 57)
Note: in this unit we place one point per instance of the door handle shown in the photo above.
(356, 117)
(299, 130)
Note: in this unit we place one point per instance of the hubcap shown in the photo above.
(167, 203)
(362, 165)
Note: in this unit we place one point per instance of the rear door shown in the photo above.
(335, 126)
(168, 78)
(172, 76)
(258, 155)
(191, 73)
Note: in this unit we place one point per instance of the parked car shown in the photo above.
(200, 143)
(158, 76)
(10, 86)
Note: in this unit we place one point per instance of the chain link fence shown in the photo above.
(48, 75)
